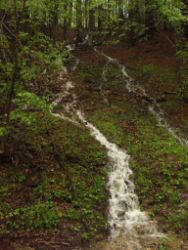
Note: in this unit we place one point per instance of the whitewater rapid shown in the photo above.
(124, 216)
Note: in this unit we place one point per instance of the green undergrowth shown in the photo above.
(159, 81)
(154, 74)
(159, 161)
(169, 88)
(90, 74)
(56, 180)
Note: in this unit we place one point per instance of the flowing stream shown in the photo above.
(128, 224)
(153, 105)
(125, 217)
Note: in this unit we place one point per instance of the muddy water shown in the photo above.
(128, 224)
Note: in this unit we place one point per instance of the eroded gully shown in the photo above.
(129, 226)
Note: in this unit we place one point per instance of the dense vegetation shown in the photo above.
(53, 173)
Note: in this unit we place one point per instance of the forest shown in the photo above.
(93, 124)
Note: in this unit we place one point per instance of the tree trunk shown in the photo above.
(100, 17)
(78, 14)
(186, 25)
(11, 88)
(55, 21)
(91, 20)
(120, 10)
(86, 23)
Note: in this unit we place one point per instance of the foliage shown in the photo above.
(182, 59)
(41, 215)
(54, 188)
(24, 102)
(56, 169)
(183, 90)
(158, 160)
(172, 12)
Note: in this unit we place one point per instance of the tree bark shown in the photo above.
(120, 10)
(11, 88)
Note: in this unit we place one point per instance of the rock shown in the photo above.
(121, 214)
(161, 98)
(32, 183)
(147, 98)
(21, 247)
(5, 159)
(94, 88)
(29, 155)
(167, 92)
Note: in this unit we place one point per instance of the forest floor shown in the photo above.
(72, 195)
(154, 66)
(159, 161)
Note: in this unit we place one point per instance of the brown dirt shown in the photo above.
(90, 57)
(157, 51)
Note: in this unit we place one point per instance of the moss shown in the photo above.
(64, 183)
(89, 74)
(157, 158)
(154, 74)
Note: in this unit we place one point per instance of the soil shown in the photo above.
(158, 52)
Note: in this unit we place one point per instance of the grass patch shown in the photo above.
(157, 159)
(62, 187)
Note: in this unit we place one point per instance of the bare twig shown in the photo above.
(11, 33)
